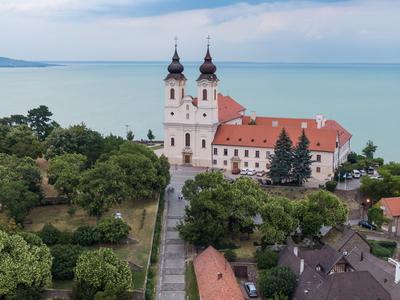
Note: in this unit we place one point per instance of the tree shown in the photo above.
(266, 259)
(25, 268)
(101, 187)
(301, 170)
(101, 270)
(369, 150)
(277, 280)
(65, 172)
(113, 230)
(375, 189)
(130, 136)
(150, 135)
(39, 120)
(278, 220)
(281, 162)
(17, 200)
(21, 141)
(50, 235)
(75, 139)
(321, 208)
(218, 210)
(375, 216)
(64, 260)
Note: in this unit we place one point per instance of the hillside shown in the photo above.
(13, 63)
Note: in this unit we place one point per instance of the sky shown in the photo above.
(349, 31)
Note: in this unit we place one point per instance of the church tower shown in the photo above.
(207, 88)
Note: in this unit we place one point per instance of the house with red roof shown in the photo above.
(213, 130)
(391, 210)
(215, 277)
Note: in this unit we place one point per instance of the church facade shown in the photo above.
(213, 130)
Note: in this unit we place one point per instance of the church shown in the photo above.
(213, 130)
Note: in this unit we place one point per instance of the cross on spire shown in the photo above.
(176, 40)
(208, 40)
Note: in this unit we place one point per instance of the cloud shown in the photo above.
(354, 31)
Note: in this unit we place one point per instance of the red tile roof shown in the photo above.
(215, 277)
(392, 205)
(343, 134)
(265, 136)
(228, 109)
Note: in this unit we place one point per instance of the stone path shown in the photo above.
(171, 280)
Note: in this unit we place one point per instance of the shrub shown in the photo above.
(113, 230)
(86, 236)
(277, 281)
(331, 185)
(50, 235)
(64, 260)
(71, 210)
(230, 255)
(266, 259)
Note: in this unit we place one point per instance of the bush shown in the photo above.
(71, 210)
(331, 185)
(64, 260)
(86, 236)
(266, 259)
(50, 235)
(382, 249)
(113, 230)
(277, 281)
(230, 255)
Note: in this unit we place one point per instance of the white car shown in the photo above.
(243, 171)
(260, 173)
(363, 172)
(251, 172)
(356, 174)
(118, 215)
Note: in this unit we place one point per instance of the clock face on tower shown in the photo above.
(204, 84)
(172, 83)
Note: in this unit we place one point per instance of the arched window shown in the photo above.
(172, 141)
(187, 116)
(183, 92)
(187, 106)
(187, 140)
(204, 94)
(215, 94)
(203, 143)
(172, 93)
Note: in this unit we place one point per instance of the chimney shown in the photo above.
(301, 266)
(362, 256)
(253, 117)
(219, 275)
(323, 121)
(296, 251)
(320, 121)
(303, 125)
(275, 123)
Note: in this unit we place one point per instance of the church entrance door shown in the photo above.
(235, 165)
(187, 159)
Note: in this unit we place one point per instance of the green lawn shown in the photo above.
(192, 290)
(142, 223)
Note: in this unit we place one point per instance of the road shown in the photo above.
(171, 276)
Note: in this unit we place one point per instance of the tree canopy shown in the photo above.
(281, 162)
(24, 266)
(101, 270)
(301, 169)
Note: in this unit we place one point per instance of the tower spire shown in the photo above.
(208, 69)
(175, 68)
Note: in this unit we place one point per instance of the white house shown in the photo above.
(212, 130)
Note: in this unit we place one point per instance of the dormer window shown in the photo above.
(204, 94)
(172, 93)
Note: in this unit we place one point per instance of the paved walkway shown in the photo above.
(171, 279)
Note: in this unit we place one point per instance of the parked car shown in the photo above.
(251, 290)
(260, 173)
(367, 225)
(356, 174)
(363, 172)
(348, 176)
(378, 177)
(118, 215)
(251, 172)
(371, 171)
(243, 172)
(180, 197)
(264, 182)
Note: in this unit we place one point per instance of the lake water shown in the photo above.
(365, 99)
